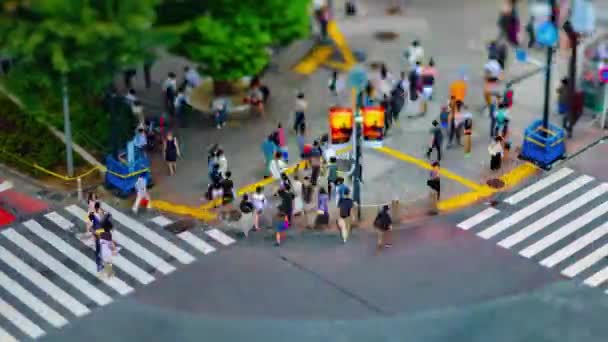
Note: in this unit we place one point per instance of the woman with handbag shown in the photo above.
(496, 151)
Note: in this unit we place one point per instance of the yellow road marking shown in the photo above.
(177, 209)
(311, 62)
(425, 165)
(336, 35)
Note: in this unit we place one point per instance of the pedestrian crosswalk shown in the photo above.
(558, 221)
(48, 275)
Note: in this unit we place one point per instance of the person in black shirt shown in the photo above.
(227, 186)
(383, 224)
(345, 204)
(286, 206)
(246, 222)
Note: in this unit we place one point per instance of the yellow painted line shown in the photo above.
(511, 178)
(177, 209)
(336, 35)
(425, 165)
(311, 62)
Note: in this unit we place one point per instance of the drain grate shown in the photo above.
(386, 35)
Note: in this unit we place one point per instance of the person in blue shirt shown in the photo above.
(269, 148)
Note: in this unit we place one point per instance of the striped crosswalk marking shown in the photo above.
(538, 186)
(220, 237)
(188, 237)
(61, 270)
(5, 185)
(586, 262)
(150, 235)
(31, 301)
(559, 213)
(118, 261)
(534, 207)
(575, 246)
(135, 248)
(477, 219)
(42, 283)
(23, 323)
(76, 256)
(59, 220)
(598, 278)
(564, 231)
(6, 337)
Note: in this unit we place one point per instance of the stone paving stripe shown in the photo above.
(559, 213)
(598, 278)
(76, 256)
(220, 237)
(477, 219)
(5, 185)
(586, 262)
(59, 220)
(543, 183)
(575, 246)
(43, 283)
(150, 235)
(31, 301)
(6, 337)
(534, 207)
(425, 165)
(23, 323)
(118, 261)
(564, 231)
(191, 239)
(61, 270)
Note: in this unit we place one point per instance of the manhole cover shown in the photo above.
(180, 226)
(495, 183)
(386, 35)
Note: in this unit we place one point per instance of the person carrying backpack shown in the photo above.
(501, 124)
(383, 224)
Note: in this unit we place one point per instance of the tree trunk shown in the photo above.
(221, 88)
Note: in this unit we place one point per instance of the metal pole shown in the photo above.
(357, 174)
(548, 72)
(604, 107)
(67, 127)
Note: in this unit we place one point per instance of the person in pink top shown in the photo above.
(427, 78)
(282, 142)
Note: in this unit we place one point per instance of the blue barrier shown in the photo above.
(122, 176)
(543, 146)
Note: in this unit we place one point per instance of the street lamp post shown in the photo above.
(548, 71)
(67, 128)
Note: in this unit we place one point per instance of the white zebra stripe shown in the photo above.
(188, 237)
(20, 321)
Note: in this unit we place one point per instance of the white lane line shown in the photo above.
(534, 207)
(564, 231)
(541, 184)
(161, 221)
(598, 278)
(545, 221)
(193, 240)
(137, 249)
(20, 321)
(150, 235)
(6, 337)
(31, 301)
(586, 262)
(42, 283)
(5, 185)
(220, 237)
(47, 260)
(477, 219)
(76, 256)
(118, 261)
(59, 220)
(575, 246)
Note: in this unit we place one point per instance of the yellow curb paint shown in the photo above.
(425, 165)
(177, 209)
(311, 62)
(336, 35)
(511, 178)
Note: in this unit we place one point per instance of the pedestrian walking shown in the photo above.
(281, 224)
(259, 202)
(322, 218)
(171, 152)
(332, 175)
(280, 132)
(222, 162)
(268, 149)
(287, 201)
(383, 224)
(107, 249)
(95, 227)
(216, 193)
(468, 133)
(436, 140)
(227, 193)
(301, 140)
(496, 152)
(92, 199)
(427, 79)
(131, 97)
(434, 183)
(530, 30)
(344, 222)
(277, 166)
(298, 202)
(301, 105)
(501, 121)
(341, 189)
(247, 209)
(170, 92)
(141, 193)
(308, 192)
(335, 86)
(414, 54)
(455, 124)
(180, 105)
(315, 162)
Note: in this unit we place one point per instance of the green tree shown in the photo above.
(87, 42)
(227, 48)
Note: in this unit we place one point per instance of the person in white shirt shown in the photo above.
(170, 90)
(493, 69)
(131, 96)
(259, 204)
(141, 189)
(415, 53)
(496, 151)
(192, 77)
(222, 162)
(277, 166)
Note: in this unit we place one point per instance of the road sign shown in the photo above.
(547, 34)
